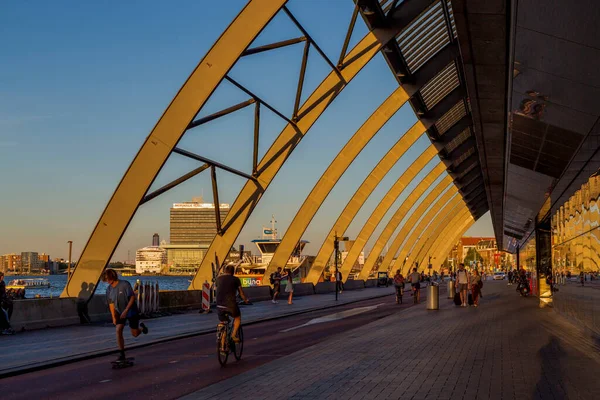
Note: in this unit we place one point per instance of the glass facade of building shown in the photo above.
(576, 233)
(195, 223)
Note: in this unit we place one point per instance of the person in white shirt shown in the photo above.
(462, 280)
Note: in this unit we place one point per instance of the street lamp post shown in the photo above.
(69, 264)
(336, 246)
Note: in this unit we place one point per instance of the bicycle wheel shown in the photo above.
(222, 351)
(238, 348)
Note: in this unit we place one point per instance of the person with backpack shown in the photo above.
(275, 280)
(399, 285)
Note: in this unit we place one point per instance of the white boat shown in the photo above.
(39, 283)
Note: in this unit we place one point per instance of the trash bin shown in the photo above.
(433, 297)
(451, 289)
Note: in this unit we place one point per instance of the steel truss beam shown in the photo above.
(388, 200)
(401, 242)
(453, 236)
(406, 249)
(288, 139)
(397, 218)
(441, 221)
(449, 222)
(163, 138)
(356, 202)
(336, 169)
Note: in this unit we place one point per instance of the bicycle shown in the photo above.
(225, 344)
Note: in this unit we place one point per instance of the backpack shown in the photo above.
(271, 279)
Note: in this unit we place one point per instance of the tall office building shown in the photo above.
(194, 222)
(155, 240)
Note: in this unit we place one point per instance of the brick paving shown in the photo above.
(507, 348)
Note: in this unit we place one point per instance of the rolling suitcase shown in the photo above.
(457, 299)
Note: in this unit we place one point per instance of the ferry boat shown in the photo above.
(39, 283)
(252, 271)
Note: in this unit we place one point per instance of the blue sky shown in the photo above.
(83, 83)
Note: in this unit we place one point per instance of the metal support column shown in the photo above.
(543, 260)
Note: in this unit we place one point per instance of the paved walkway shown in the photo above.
(507, 348)
(49, 346)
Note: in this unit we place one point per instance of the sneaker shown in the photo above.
(121, 358)
(273, 301)
(144, 328)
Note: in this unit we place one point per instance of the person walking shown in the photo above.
(289, 287)
(276, 282)
(415, 281)
(339, 283)
(462, 279)
(476, 285)
(123, 308)
(399, 285)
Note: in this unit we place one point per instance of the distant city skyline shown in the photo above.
(73, 117)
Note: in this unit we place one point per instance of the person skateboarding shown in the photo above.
(123, 307)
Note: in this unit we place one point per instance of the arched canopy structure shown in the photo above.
(418, 40)
(394, 222)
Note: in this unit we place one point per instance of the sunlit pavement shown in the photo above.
(506, 348)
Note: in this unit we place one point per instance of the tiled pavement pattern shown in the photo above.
(507, 348)
(40, 347)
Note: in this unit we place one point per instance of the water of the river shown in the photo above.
(58, 282)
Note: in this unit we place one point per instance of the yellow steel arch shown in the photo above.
(336, 169)
(388, 200)
(357, 201)
(449, 210)
(441, 241)
(397, 218)
(449, 195)
(163, 138)
(454, 236)
(446, 236)
(280, 150)
(424, 244)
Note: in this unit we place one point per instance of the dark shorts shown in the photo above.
(416, 286)
(276, 287)
(223, 312)
(134, 321)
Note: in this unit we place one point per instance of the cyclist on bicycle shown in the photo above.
(399, 284)
(415, 281)
(228, 287)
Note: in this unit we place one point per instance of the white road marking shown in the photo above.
(106, 380)
(335, 316)
(173, 362)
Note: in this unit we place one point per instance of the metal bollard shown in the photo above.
(450, 289)
(433, 297)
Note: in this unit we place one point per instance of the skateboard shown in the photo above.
(128, 362)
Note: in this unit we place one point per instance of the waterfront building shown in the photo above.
(195, 222)
(10, 262)
(150, 260)
(30, 262)
(183, 259)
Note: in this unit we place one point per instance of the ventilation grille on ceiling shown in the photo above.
(425, 36)
(450, 118)
(469, 169)
(464, 156)
(440, 86)
(458, 140)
